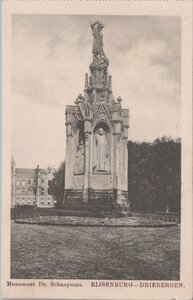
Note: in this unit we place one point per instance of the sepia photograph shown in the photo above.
(104, 163)
(97, 167)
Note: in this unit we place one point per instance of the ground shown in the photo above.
(54, 252)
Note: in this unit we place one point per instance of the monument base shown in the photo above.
(102, 202)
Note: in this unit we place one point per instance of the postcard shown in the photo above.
(97, 150)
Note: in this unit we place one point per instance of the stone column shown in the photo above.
(86, 168)
(68, 158)
(114, 162)
(125, 165)
(87, 134)
(117, 137)
(119, 177)
(69, 153)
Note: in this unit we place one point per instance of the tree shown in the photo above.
(56, 185)
(167, 159)
(35, 188)
(154, 175)
(141, 180)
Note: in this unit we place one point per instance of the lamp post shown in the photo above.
(37, 192)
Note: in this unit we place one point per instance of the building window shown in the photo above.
(29, 181)
(23, 182)
(42, 202)
(42, 181)
(17, 183)
(48, 202)
(49, 187)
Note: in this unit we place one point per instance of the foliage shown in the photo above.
(56, 185)
(154, 171)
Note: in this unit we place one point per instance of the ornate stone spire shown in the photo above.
(110, 83)
(98, 86)
(86, 81)
(100, 62)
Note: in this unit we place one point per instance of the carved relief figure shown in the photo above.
(79, 159)
(87, 112)
(100, 152)
(98, 38)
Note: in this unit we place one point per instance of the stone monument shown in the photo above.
(96, 140)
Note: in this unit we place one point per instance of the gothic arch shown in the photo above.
(102, 115)
(102, 124)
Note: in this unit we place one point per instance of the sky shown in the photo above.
(52, 53)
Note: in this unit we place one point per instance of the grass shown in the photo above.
(50, 252)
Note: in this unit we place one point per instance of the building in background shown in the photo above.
(31, 186)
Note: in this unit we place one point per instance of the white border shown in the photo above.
(182, 9)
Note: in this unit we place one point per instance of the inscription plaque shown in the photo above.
(101, 181)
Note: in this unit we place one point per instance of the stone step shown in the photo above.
(79, 213)
(75, 207)
(74, 192)
(80, 207)
(74, 195)
(75, 199)
(73, 202)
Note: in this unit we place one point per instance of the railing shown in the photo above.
(36, 213)
(161, 216)
(29, 212)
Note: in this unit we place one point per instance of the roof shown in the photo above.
(24, 171)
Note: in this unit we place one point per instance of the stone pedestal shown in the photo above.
(96, 142)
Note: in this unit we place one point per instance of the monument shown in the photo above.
(96, 140)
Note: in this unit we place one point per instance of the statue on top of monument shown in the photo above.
(100, 62)
(101, 152)
(97, 48)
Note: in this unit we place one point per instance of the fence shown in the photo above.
(161, 216)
